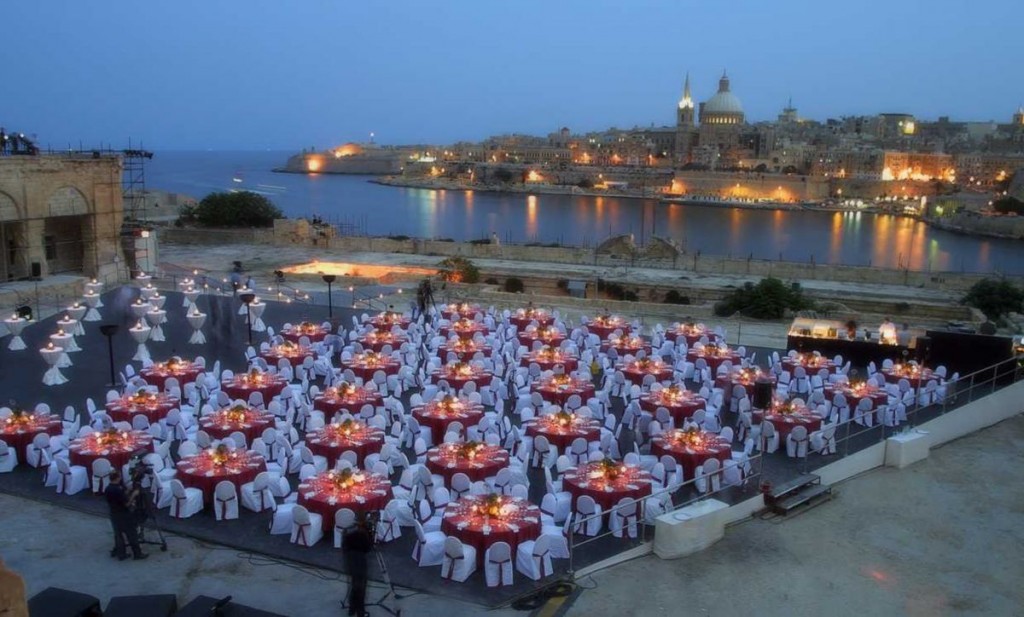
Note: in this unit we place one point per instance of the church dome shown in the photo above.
(723, 103)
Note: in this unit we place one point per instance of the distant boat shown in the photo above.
(237, 179)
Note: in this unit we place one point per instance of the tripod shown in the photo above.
(145, 517)
(397, 610)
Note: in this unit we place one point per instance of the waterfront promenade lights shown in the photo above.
(247, 298)
(109, 330)
(329, 279)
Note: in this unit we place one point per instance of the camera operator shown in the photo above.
(122, 519)
(356, 546)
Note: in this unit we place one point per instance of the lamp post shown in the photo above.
(329, 279)
(247, 298)
(109, 330)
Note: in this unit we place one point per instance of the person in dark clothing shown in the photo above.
(121, 519)
(356, 545)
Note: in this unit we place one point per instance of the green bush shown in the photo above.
(674, 297)
(514, 285)
(241, 209)
(994, 298)
(769, 299)
(458, 270)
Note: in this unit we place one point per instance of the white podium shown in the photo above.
(690, 529)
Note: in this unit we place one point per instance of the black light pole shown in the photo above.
(109, 330)
(247, 298)
(329, 279)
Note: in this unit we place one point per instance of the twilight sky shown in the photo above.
(256, 74)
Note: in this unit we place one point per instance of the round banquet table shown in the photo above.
(625, 349)
(365, 372)
(790, 365)
(446, 460)
(199, 471)
(321, 495)
(562, 436)
(553, 340)
(635, 374)
(714, 360)
(352, 403)
(680, 410)
(466, 332)
(382, 323)
(691, 336)
(84, 450)
(437, 419)
(558, 394)
(458, 381)
(603, 330)
(853, 397)
(726, 382)
(785, 423)
(378, 342)
(690, 458)
(237, 389)
(522, 523)
(18, 435)
(296, 355)
(125, 408)
(521, 320)
(634, 483)
(915, 381)
(569, 364)
(329, 442)
(464, 355)
(451, 312)
(315, 336)
(157, 376)
(218, 426)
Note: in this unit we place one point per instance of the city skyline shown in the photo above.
(263, 76)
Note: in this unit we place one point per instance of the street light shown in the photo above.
(247, 298)
(109, 330)
(329, 278)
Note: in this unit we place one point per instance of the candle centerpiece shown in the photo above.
(220, 455)
(469, 450)
(344, 479)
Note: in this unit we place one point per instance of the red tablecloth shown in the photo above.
(688, 456)
(521, 320)
(322, 495)
(626, 348)
(449, 459)
(464, 351)
(604, 328)
(632, 482)
(553, 338)
(331, 440)
(201, 472)
(691, 335)
(331, 403)
(155, 407)
(18, 433)
(635, 373)
(714, 360)
(726, 382)
(457, 311)
(363, 370)
(296, 355)
(546, 363)
(464, 330)
(85, 450)
(220, 424)
(384, 322)
(237, 389)
(562, 436)
(790, 365)
(915, 379)
(315, 334)
(785, 423)
(157, 375)
(378, 341)
(679, 409)
(878, 396)
(558, 393)
(520, 522)
(438, 418)
(481, 379)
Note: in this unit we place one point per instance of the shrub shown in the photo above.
(458, 270)
(994, 298)
(674, 297)
(769, 299)
(514, 285)
(241, 209)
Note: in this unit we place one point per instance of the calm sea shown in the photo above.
(360, 206)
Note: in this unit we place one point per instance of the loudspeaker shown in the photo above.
(203, 606)
(762, 398)
(56, 602)
(37, 270)
(150, 606)
(25, 312)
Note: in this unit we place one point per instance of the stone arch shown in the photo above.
(661, 248)
(618, 246)
(8, 208)
(67, 201)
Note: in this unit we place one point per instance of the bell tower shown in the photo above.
(684, 113)
(686, 129)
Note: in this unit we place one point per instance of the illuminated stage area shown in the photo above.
(384, 273)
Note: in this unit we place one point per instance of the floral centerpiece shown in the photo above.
(254, 376)
(220, 455)
(610, 469)
(548, 354)
(174, 363)
(690, 436)
(463, 345)
(19, 417)
(345, 390)
(460, 369)
(109, 437)
(563, 418)
(672, 394)
(344, 479)
(449, 404)
(346, 427)
(469, 450)
(560, 380)
(307, 327)
(490, 505)
(142, 398)
(236, 414)
(371, 358)
(463, 324)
